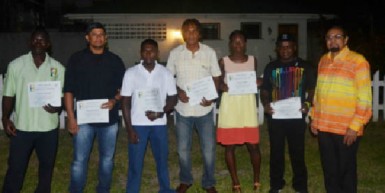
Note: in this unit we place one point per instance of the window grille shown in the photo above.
(156, 31)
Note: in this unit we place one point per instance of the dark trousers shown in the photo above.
(20, 150)
(339, 163)
(292, 130)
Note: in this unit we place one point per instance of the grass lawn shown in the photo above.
(371, 165)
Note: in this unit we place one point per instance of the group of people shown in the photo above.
(337, 98)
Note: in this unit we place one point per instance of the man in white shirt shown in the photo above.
(149, 93)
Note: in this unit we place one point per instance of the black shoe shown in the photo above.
(182, 188)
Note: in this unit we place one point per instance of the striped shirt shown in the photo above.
(343, 97)
(283, 80)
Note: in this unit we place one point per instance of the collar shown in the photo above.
(141, 66)
(46, 60)
(184, 47)
(88, 51)
(341, 54)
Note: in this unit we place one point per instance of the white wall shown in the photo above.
(262, 48)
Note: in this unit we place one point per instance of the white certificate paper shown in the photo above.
(242, 83)
(287, 108)
(90, 111)
(43, 93)
(149, 99)
(198, 89)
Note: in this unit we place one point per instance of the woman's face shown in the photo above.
(237, 44)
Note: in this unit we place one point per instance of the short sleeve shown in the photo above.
(69, 76)
(266, 85)
(9, 82)
(171, 86)
(171, 63)
(215, 70)
(127, 86)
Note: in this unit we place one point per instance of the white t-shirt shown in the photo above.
(137, 78)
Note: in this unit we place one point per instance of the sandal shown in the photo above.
(256, 186)
(237, 189)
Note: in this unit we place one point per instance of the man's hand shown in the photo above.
(259, 81)
(223, 87)
(51, 109)
(304, 108)
(313, 130)
(205, 102)
(132, 136)
(109, 105)
(9, 127)
(183, 96)
(350, 137)
(72, 126)
(151, 115)
(267, 109)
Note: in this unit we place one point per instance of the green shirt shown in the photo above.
(22, 71)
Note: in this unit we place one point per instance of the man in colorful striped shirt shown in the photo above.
(342, 107)
(287, 77)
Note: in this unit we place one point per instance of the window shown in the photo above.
(251, 29)
(211, 31)
(156, 31)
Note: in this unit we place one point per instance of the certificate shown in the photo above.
(90, 111)
(201, 88)
(149, 99)
(242, 83)
(43, 93)
(287, 109)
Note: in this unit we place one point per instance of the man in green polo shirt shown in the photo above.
(34, 84)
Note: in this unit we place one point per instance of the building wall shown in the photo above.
(262, 48)
(16, 44)
(65, 43)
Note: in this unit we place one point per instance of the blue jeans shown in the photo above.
(82, 143)
(158, 138)
(204, 126)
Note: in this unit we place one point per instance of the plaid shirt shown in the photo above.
(188, 67)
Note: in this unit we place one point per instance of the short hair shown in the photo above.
(339, 27)
(95, 25)
(238, 32)
(150, 42)
(193, 21)
(40, 30)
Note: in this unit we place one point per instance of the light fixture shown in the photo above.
(176, 35)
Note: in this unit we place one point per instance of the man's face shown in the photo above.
(286, 50)
(97, 38)
(149, 53)
(191, 34)
(336, 40)
(39, 43)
